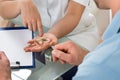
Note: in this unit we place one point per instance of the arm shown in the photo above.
(63, 27)
(30, 15)
(9, 9)
(5, 72)
(70, 20)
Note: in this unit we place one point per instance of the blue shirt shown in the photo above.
(104, 62)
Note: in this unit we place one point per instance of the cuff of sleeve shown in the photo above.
(82, 2)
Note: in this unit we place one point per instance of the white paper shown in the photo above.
(12, 42)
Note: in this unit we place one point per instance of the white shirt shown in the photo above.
(83, 2)
(85, 34)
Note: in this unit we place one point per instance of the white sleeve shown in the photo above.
(83, 2)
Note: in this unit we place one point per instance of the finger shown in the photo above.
(29, 47)
(39, 27)
(3, 56)
(36, 49)
(27, 50)
(62, 62)
(34, 25)
(25, 23)
(60, 55)
(0, 54)
(66, 48)
(42, 47)
(30, 26)
(54, 58)
(60, 46)
(31, 41)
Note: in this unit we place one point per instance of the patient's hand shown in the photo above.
(41, 43)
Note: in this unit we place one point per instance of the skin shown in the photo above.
(27, 9)
(68, 23)
(31, 18)
(4, 67)
(70, 20)
(36, 47)
(64, 52)
(68, 52)
(61, 28)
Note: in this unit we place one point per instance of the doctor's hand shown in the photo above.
(30, 15)
(68, 52)
(39, 44)
(5, 72)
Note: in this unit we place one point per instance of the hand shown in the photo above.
(41, 43)
(5, 72)
(68, 52)
(30, 15)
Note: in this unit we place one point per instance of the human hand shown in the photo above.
(41, 43)
(5, 72)
(30, 15)
(68, 52)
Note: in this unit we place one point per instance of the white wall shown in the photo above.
(102, 16)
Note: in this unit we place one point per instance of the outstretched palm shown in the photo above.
(41, 43)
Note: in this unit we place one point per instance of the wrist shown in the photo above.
(52, 37)
(53, 33)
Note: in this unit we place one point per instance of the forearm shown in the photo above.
(9, 9)
(5, 78)
(70, 20)
(64, 26)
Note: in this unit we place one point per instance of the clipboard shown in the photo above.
(12, 42)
